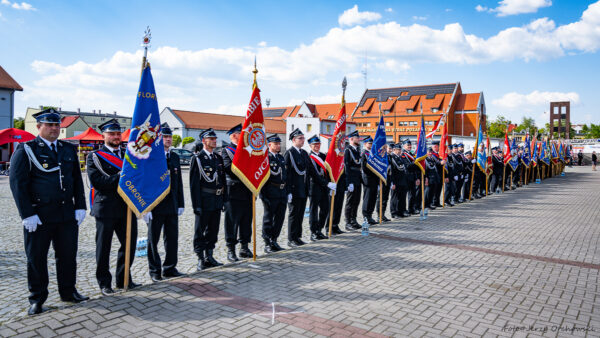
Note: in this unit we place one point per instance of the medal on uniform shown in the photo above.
(45, 165)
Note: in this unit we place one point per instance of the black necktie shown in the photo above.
(117, 153)
(168, 156)
(53, 147)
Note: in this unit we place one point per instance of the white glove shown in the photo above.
(147, 217)
(393, 187)
(456, 178)
(466, 179)
(331, 192)
(351, 187)
(179, 211)
(473, 161)
(79, 215)
(30, 223)
(289, 198)
(331, 186)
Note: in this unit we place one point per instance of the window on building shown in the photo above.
(330, 117)
(434, 110)
(409, 111)
(389, 124)
(308, 128)
(412, 123)
(328, 128)
(368, 124)
(364, 113)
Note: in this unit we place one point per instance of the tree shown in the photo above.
(187, 140)
(176, 140)
(527, 124)
(19, 123)
(497, 128)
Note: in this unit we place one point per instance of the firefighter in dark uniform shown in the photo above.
(480, 175)
(462, 168)
(470, 163)
(498, 168)
(395, 176)
(435, 150)
(433, 178)
(238, 209)
(386, 188)
(165, 217)
(370, 182)
(413, 178)
(299, 169)
(403, 178)
(274, 196)
(109, 209)
(207, 189)
(46, 184)
(318, 191)
(455, 173)
(353, 179)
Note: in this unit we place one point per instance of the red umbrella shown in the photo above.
(14, 135)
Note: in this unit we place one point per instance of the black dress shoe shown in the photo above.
(268, 248)
(355, 223)
(432, 207)
(350, 227)
(75, 297)
(210, 260)
(321, 235)
(173, 273)
(245, 252)
(232, 257)
(385, 219)
(460, 200)
(336, 230)
(314, 237)
(276, 247)
(450, 204)
(438, 205)
(405, 214)
(371, 221)
(416, 211)
(107, 291)
(35, 308)
(202, 265)
(295, 243)
(131, 285)
(155, 278)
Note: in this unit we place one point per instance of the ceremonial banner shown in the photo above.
(553, 151)
(544, 156)
(377, 160)
(526, 159)
(145, 179)
(251, 160)
(534, 151)
(335, 155)
(444, 145)
(421, 151)
(506, 148)
(514, 156)
(481, 156)
(437, 125)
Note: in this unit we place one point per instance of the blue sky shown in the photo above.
(86, 54)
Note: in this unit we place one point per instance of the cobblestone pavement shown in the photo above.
(524, 263)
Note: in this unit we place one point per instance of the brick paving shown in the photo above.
(524, 263)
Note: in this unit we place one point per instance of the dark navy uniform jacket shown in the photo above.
(207, 182)
(236, 189)
(41, 193)
(174, 200)
(352, 165)
(276, 185)
(104, 177)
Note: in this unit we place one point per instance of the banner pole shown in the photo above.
(331, 215)
(472, 178)
(380, 201)
(422, 193)
(443, 188)
(511, 180)
(254, 227)
(503, 176)
(127, 249)
(486, 181)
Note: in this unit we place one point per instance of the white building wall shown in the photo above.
(167, 115)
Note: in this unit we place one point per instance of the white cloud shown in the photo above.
(262, 44)
(480, 8)
(513, 7)
(352, 17)
(21, 6)
(419, 18)
(389, 10)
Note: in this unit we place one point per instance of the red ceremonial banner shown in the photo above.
(444, 142)
(507, 155)
(251, 160)
(335, 155)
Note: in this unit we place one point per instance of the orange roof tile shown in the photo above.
(7, 82)
(325, 111)
(467, 101)
(67, 121)
(198, 120)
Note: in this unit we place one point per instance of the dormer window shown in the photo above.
(434, 110)
(330, 117)
(364, 113)
(409, 111)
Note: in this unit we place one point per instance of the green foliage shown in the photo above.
(176, 140)
(497, 128)
(527, 125)
(19, 123)
(593, 131)
(187, 140)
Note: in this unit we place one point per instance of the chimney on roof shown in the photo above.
(115, 113)
(59, 108)
(94, 111)
(99, 112)
(41, 107)
(268, 101)
(78, 110)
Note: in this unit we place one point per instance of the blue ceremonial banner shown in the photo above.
(378, 160)
(144, 178)
(514, 160)
(526, 159)
(544, 155)
(421, 151)
(481, 156)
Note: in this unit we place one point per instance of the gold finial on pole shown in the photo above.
(146, 45)
(255, 71)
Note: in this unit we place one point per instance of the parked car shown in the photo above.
(185, 155)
